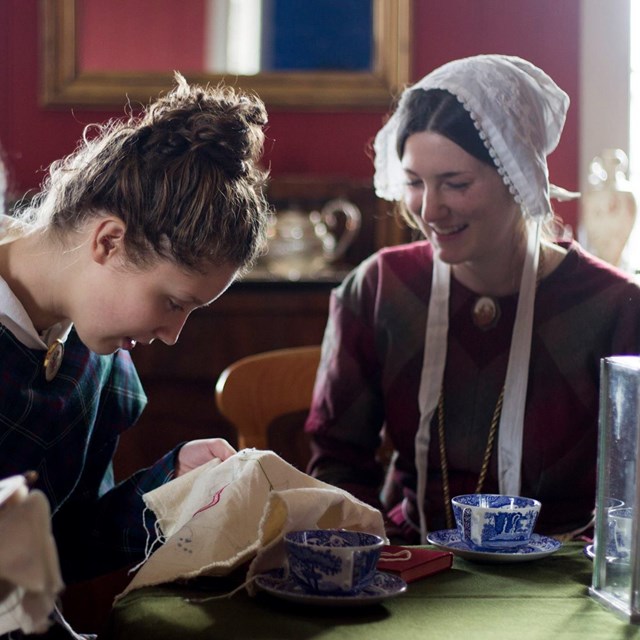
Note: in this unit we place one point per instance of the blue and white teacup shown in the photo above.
(609, 505)
(621, 521)
(332, 560)
(490, 522)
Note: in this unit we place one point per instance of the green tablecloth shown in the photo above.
(545, 599)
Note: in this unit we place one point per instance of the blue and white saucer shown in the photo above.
(611, 557)
(538, 547)
(384, 586)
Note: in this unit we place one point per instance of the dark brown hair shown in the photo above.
(439, 111)
(183, 176)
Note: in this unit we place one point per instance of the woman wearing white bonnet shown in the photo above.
(477, 349)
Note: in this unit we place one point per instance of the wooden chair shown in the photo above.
(266, 397)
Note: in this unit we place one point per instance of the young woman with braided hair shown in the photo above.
(150, 218)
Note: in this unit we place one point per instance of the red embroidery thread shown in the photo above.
(213, 503)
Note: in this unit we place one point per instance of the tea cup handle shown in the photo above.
(353, 221)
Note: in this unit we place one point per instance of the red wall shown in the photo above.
(177, 25)
(307, 142)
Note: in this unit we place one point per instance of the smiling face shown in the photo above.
(114, 304)
(461, 203)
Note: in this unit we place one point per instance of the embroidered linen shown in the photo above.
(221, 515)
(29, 571)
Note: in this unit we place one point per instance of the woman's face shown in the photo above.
(461, 203)
(143, 306)
(115, 305)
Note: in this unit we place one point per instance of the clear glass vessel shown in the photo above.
(616, 567)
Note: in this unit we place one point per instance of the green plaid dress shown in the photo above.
(67, 430)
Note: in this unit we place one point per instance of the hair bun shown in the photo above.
(183, 175)
(221, 124)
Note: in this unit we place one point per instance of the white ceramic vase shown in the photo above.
(608, 208)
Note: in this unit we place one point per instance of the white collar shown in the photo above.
(13, 315)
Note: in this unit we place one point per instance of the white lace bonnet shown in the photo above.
(519, 112)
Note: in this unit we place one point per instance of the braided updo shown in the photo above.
(183, 176)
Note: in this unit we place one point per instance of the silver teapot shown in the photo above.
(302, 245)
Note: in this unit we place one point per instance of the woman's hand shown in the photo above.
(198, 452)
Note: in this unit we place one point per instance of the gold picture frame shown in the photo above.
(64, 83)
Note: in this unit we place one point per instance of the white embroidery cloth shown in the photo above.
(223, 514)
(30, 578)
(519, 112)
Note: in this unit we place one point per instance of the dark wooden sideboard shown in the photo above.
(252, 316)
